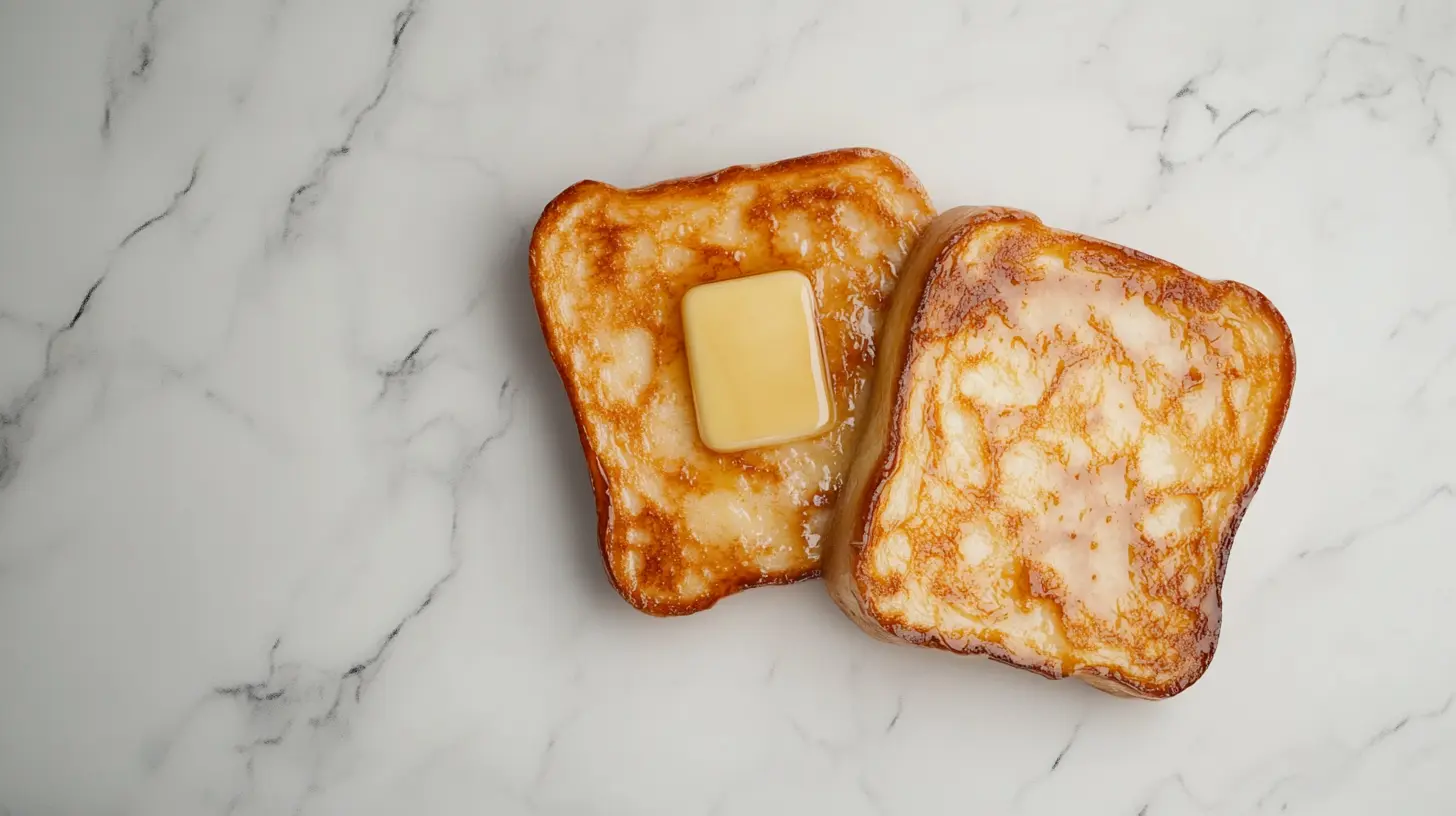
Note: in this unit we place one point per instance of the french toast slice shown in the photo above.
(680, 526)
(1062, 437)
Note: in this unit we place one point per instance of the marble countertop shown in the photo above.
(293, 517)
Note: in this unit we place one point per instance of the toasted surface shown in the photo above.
(1061, 441)
(680, 526)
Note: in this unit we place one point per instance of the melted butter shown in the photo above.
(756, 362)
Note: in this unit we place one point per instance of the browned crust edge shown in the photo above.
(956, 225)
(549, 222)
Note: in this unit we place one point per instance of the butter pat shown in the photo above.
(756, 361)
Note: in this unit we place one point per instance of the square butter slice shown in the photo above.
(756, 362)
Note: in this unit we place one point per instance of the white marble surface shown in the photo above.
(292, 513)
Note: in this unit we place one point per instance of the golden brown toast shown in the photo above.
(680, 526)
(1061, 440)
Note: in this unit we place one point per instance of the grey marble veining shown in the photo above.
(293, 517)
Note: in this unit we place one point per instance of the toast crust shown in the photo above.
(978, 277)
(608, 267)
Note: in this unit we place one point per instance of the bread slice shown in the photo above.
(680, 526)
(1062, 438)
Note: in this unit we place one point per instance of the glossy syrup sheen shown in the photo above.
(1071, 441)
(681, 525)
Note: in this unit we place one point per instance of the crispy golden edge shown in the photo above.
(846, 573)
(539, 263)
